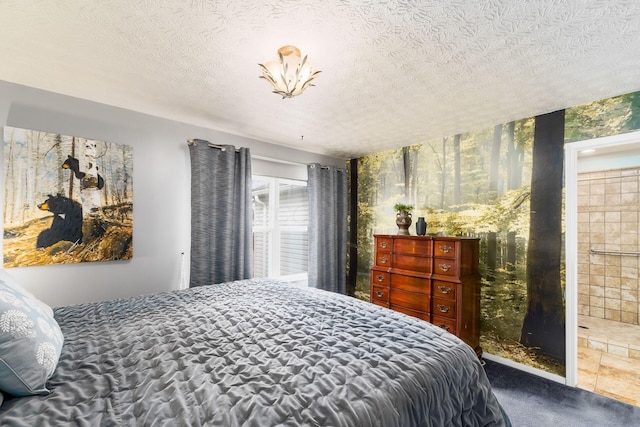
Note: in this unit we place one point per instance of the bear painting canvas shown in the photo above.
(67, 199)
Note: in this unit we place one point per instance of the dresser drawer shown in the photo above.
(443, 307)
(410, 283)
(444, 289)
(413, 246)
(383, 259)
(413, 263)
(448, 325)
(380, 294)
(419, 314)
(381, 304)
(380, 278)
(444, 249)
(445, 267)
(383, 244)
(410, 300)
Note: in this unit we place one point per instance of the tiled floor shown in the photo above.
(609, 358)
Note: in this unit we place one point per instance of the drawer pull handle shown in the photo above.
(384, 260)
(384, 245)
(444, 308)
(443, 326)
(444, 290)
(445, 249)
(380, 278)
(379, 294)
(444, 267)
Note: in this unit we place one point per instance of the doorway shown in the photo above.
(602, 179)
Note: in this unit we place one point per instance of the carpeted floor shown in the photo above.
(530, 400)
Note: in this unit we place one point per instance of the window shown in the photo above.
(280, 228)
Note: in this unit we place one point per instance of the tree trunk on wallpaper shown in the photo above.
(410, 165)
(513, 167)
(444, 172)
(406, 168)
(457, 195)
(494, 173)
(513, 170)
(544, 322)
(492, 238)
(414, 176)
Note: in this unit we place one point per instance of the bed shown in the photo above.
(255, 352)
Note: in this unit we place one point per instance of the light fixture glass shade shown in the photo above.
(289, 75)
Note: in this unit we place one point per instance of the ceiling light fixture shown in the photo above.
(291, 74)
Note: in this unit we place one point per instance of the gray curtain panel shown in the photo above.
(220, 213)
(327, 188)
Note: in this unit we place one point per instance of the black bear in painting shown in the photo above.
(66, 224)
(74, 165)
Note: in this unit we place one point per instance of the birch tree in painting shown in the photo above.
(90, 193)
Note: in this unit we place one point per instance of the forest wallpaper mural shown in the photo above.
(66, 199)
(504, 185)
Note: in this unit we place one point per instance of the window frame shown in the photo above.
(276, 229)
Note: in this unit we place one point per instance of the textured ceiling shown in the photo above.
(394, 73)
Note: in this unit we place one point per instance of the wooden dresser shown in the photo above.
(433, 278)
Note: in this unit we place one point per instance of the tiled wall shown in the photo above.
(609, 220)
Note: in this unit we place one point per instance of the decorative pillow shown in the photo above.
(11, 282)
(30, 342)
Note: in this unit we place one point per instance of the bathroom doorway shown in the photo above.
(603, 264)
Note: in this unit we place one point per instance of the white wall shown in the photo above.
(161, 179)
(619, 159)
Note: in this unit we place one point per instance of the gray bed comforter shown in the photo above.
(256, 353)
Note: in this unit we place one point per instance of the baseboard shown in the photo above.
(525, 368)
